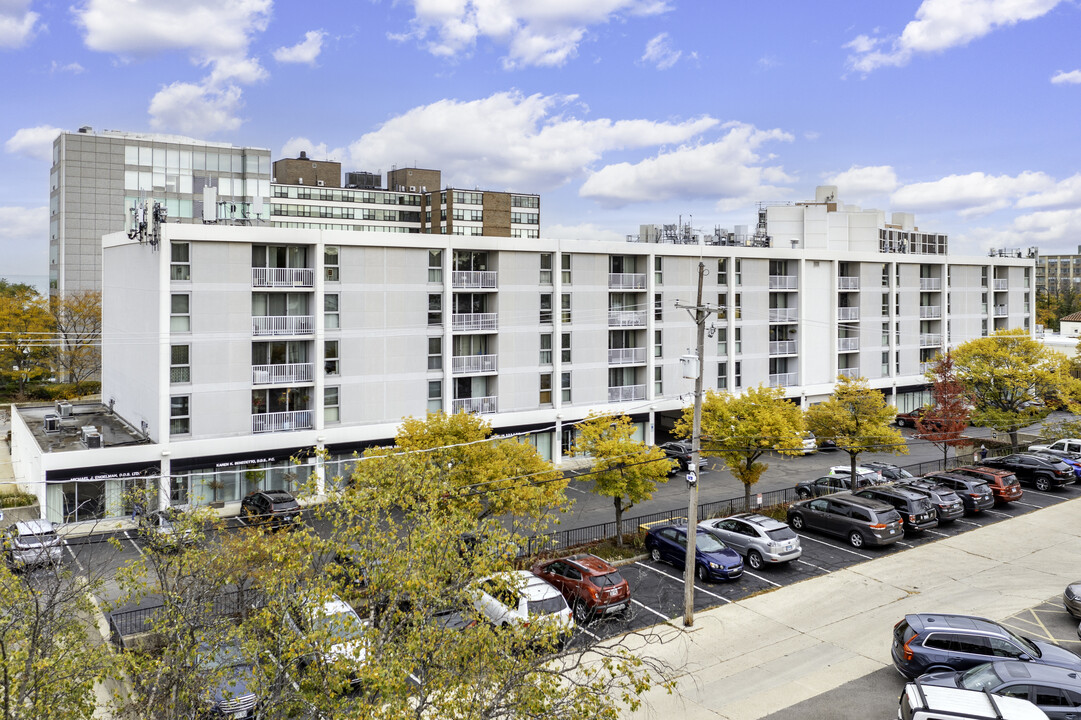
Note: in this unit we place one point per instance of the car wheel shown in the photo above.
(655, 554)
(855, 539)
(796, 521)
(754, 559)
(703, 574)
(581, 613)
(1042, 483)
(803, 494)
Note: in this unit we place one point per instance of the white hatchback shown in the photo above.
(519, 598)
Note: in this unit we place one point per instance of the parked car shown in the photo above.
(759, 539)
(590, 585)
(31, 543)
(1034, 470)
(932, 642)
(861, 521)
(1069, 447)
(916, 511)
(947, 504)
(275, 508)
(866, 473)
(1071, 598)
(1055, 690)
(331, 634)
(974, 493)
(888, 471)
(1004, 484)
(230, 679)
(909, 418)
(810, 443)
(1071, 462)
(158, 528)
(829, 485)
(713, 559)
(932, 702)
(520, 598)
(680, 452)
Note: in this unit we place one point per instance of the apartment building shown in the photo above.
(1059, 273)
(263, 343)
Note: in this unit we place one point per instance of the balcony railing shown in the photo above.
(846, 282)
(477, 405)
(273, 325)
(930, 339)
(925, 366)
(1001, 311)
(849, 372)
(1001, 284)
(930, 311)
(848, 344)
(626, 318)
(784, 380)
(626, 281)
(281, 421)
(783, 282)
(282, 277)
(848, 313)
(474, 321)
(783, 314)
(276, 374)
(626, 356)
(624, 393)
(930, 283)
(467, 364)
(782, 347)
(473, 278)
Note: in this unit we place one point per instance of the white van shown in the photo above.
(929, 702)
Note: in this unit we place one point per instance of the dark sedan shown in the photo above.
(713, 559)
(1055, 690)
(1041, 472)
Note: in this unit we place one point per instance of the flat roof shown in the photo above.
(114, 431)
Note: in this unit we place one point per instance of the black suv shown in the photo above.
(680, 452)
(274, 508)
(948, 506)
(917, 512)
(1041, 472)
(975, 494)
(828, 485)
(860, 520)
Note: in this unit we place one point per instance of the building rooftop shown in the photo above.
(1072, 317)
(114, 431)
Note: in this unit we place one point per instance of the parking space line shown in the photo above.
(78, 564)
(1042, 494)
(1031, 505)
(997, 512)
(647, 607)
(907, 545)
(696, 587)
(759, 577)
(592, 635)
(134, 544)
(835, 547)
(935, 532)
(816, 567)
(969, 522)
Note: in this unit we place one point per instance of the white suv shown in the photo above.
(1066, 447)
(520, 597)
(928, 702)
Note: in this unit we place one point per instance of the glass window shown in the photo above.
(722, 376)
(566, 265)
(565, 308)
(435, 309)
(722, 341)
(180, 314)
(722, 271)
(658, 307)
(658, 349)
(658, 270)
(180, 364)
(435, 353)
(435, 266)
(739, 271)
(435, 395)
(738, 339)
(565, 386)
(546, 389)
(180, 265)
(330, 357)
(658, 385)
(331, 404)
(330, 263)
(565, 348)
(546, 349)
(179, 415)
(738, 376)
(546, 268)
(546, 308)
(737, 306)
(331, 319)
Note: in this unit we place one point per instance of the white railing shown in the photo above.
(930, 283)
(783, 282)
(277, 374)
(474, 321)
(1000, 310)
(624, 393)
(848, 313)
(930, 339)
(626, 318)
(784, 380)
(478, 405)
(1001, 284)
(473, 278)
(473, 364)
(783, 314)
(848, 343)
(282, 277)
(849, 372)
(281, 421)
(930, 311)
(626, 356)
(626, 281)
(846, 282)
(271, 325)
(782, 347)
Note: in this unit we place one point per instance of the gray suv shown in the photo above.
(862, 521)
(32, 542)
(760, 539)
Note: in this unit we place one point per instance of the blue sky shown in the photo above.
(618, 112)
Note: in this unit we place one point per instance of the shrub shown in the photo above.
(18, 499)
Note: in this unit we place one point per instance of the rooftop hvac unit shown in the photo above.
(63, 408)
(52, 423)
(86, 430)
(93, 440)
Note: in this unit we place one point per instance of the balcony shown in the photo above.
(845, 282)
(783, 282)
(477, 405)
(930, 339)
(473, 364)
(472, 279)
(848, 313)
(279, 374)
(784, 380)
(782, 347)
(1001, 311)
(467, 322)
(277, 325)
(626, 356)
(1001, 284)
(849, 372)
(282, 277)
(783, 314)
(930, 283)
(625, 393)
(282, 421)
(626, 281)
(848, 344)
(930, 312)
(626, 318)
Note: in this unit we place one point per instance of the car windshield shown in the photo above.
(1026, 644)
(981, 677)
(607, 580)
(709, 543)
(340, 626)
(45, 538)
(547, 606)
(781, 534)
(902, 473)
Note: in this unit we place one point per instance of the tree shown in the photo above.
(946, 418)
(1009, 375)
(624, 469)
(740, 429)
(25, 335)
(77, 321)
(858, 418)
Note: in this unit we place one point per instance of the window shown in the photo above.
(546, 349)
(180, 415)
(885, 276)
(331, 404)
(546, 308)
(738, 338)
(330, 263)
(565, 263)
(657, 381)
(546, 389)
(180, 317)
(565, 308)
(658, 270)
(885, 304)
(983, 276)
(330, 357)
(658, 350)
(722, 376)
(565, 386)
(737, 307)
(722, 341)
(331, 320)
(722, 271)
(546, 268)
(435, 353)
(658, 307)
(435, 266)
(180, 365)
(739, 272)
(435, 395)
(435, 309)
(180, 265)
(886, 363)
(738, 378)
(885, 334)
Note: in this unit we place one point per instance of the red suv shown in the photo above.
(1003, 483)
(591, 586)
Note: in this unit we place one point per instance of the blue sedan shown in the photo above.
(713, 559)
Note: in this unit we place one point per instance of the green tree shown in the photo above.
(1006, 373)
(624, 469)
(77, 348)
(857, 417)
(26, 332)
(741, 428)
(945, 420)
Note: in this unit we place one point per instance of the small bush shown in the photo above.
(18, 499)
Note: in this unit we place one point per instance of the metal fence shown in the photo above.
(125, 624)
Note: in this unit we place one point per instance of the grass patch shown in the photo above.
(17, 499)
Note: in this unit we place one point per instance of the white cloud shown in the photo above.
(940, 25)
(583, 231)
(73, 68)
(1063, 193)
(1073, 77)
(729, 169)
(196, 109)
(24, 233)
(18, 24)
(1053, 231)
(510, 141)
(860, 181)
(660, 53)
(306, 51)
(319, 151)
(535, 33)
(34, 142)
(972, 194)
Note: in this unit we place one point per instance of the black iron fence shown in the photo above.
(138, 621)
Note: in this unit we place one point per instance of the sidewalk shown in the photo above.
(761, 655)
